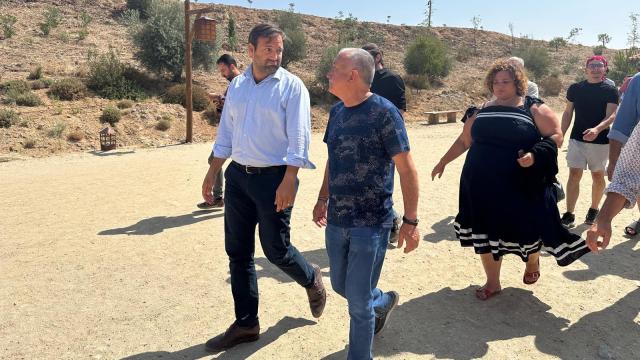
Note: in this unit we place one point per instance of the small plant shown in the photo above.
(64, 37)
(107, 77)
(19, 86)
(29, 144)
(463, 54)
(35, 74)
(85, 20)
(551, 85)
(52, 19)
(232, 39)
(57, 130)
(163, 124)
(75, 136)
(124, 104)
(427, 56)
(23, 98)
(68, 89)
(557, 42)
(7, 22)
(82, 34)
(38, 84)
(8, 118)
(47, 82)
(417, 82)
(142, 6)
(110, 115)
(176, 95)
(598, 50)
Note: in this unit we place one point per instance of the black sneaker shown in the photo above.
(591, 216)
(381, 319)
(568, 220)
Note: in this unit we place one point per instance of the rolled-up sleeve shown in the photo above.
(626, 177)
(298, 126)
(628, 112)
(222, 147)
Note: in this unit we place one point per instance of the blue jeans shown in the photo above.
(355, 260)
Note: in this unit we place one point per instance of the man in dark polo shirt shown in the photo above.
(593, 101)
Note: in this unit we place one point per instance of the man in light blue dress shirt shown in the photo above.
(265, 130)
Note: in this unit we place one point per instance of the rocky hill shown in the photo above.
(61, 55)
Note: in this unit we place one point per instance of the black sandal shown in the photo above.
(632, 229)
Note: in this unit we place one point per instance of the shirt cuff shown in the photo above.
(300, 162)
(222, 152)
(618, 136)
(623, 190)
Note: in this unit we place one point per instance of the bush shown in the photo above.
(464, 54)
(47, 82)
(212, 115)
(427, 56)
(52, 19)
(176, 95)
(598, 50)
(29, 144)
(623, 65)
(326, 61)
(18, 86)
(350, 30)
(232, 39)
(124, 104)
(35, 74)
(295, 42)
(23, 98)
(110, 115)
(68, 89)
(163, 124)
(7, 22)
(536, 58)
(57, 130)
(107, 77)
(8, 118)
(160, 41)
(75, 136)
(417, 82)
(38, 84)
(551, 85)
(142, 6)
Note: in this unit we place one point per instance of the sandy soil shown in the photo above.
(105, 256)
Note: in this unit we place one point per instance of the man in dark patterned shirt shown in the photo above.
(365, 136)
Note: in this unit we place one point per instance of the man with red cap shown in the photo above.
(593, 101)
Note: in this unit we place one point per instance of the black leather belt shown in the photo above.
(257, 170)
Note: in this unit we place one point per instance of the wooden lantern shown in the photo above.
(205, 29)
(107, 139)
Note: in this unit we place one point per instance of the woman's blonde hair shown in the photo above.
(517, 74)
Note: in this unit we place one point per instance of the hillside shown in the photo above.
(62, 55)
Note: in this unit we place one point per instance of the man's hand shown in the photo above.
(411, 235)
(525, 159)
(207, 186)
(286, 193)
(600, 229)
(438, 170)
(590, 134)
(611, 166)
(320, 213)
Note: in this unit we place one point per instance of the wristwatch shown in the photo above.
(413, 222)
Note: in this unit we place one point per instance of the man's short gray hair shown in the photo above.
(516, 60)
(361, 61)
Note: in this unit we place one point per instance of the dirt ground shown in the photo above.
(105, 256)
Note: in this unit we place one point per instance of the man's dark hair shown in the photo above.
(374, 50)
(227, 60)
(264, 30)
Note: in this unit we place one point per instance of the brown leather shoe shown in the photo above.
(316, 293)
(233, 336)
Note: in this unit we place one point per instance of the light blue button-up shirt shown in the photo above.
(265, 124)
(628, 113)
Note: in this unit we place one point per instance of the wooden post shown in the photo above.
(187, 70)
(451, 116)
(433, 118)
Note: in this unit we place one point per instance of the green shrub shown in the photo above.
(176, 95)
(551, 85)
(8, 118)
(83, 33)
(107, 77)
(417, 82)
(536, 58)
(427, 56)
(35, 74)
(23, 98)
(52, 19)
(142, 6)
(163, 124)
(598, 50)
(295, 42)
(464, 54)
(623, 65)
(68, 89)
(38, 84)
(7, 22)
(110, 115)
(326, 62)
(57, 130)
(232, 39)
(124, 104)
(19, 86)
(160, 41)
(350, 30)
(47, 82)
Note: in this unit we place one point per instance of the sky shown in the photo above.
(541, 20)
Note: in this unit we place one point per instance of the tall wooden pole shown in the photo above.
(187, 70)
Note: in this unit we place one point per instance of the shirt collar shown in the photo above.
(279, 74)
